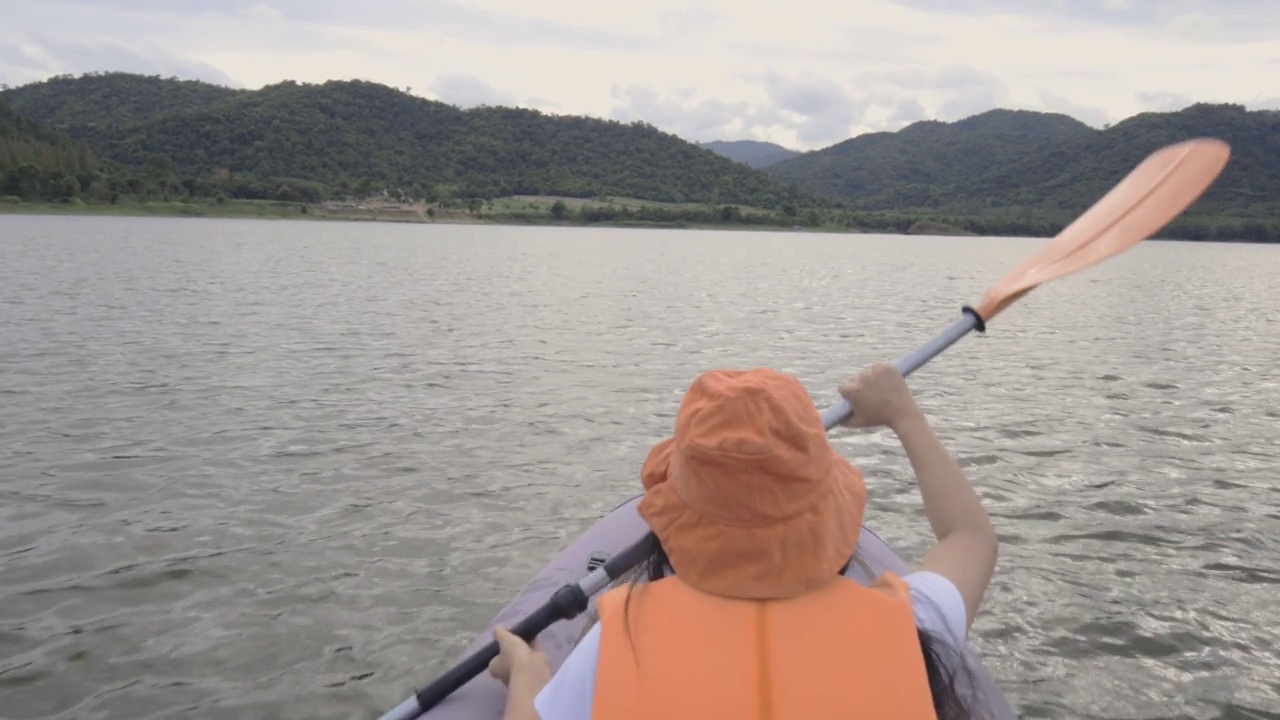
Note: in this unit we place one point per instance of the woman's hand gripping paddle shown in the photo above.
(1153, 194)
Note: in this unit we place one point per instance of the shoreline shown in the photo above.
(280, 210)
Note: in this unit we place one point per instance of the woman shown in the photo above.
(747, 613)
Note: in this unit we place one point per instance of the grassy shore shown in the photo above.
(629, 212)
(518, 210)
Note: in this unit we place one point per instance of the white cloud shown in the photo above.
(262, 13)
(467, 91)
(1163, 101)
(1053, 102)
(34, 57)
(805, 74)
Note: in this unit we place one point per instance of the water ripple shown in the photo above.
(269, 469)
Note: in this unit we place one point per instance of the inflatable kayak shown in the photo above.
(484, 698)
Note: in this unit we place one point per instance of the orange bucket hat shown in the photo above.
(748, 498)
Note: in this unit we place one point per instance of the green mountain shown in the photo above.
(1007, 162)
(887, 169)
(1074, 175)
(93, 106)
(39, 162)
(105, 137)
(357, 137)
(751, 153)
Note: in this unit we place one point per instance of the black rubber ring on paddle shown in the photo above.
(980, 325)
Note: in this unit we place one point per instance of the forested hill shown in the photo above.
(926, 157)
(1075, 174)
(1005, 161)
(35, 160)
(355, 137)
(93, 105)
(1003, 171)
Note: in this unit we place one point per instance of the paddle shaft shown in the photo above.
(565, 604)
(835, 414)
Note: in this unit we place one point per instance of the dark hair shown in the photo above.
(943, 663)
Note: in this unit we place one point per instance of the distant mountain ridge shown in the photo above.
(353, 137)
(925, 155)
(751, 153)
(1032, 162)
(998, 169)
(93, 105)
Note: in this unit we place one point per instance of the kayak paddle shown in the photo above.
(1148, 198)
(1151, 195)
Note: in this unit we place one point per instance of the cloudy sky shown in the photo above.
(803, 73)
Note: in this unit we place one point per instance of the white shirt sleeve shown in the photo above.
(569, 696)
(571, 692)
(938, 606)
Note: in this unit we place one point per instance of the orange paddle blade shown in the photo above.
(1149, 197)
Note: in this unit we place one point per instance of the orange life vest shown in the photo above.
(844, 651)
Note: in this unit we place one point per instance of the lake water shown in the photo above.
(255, 469)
